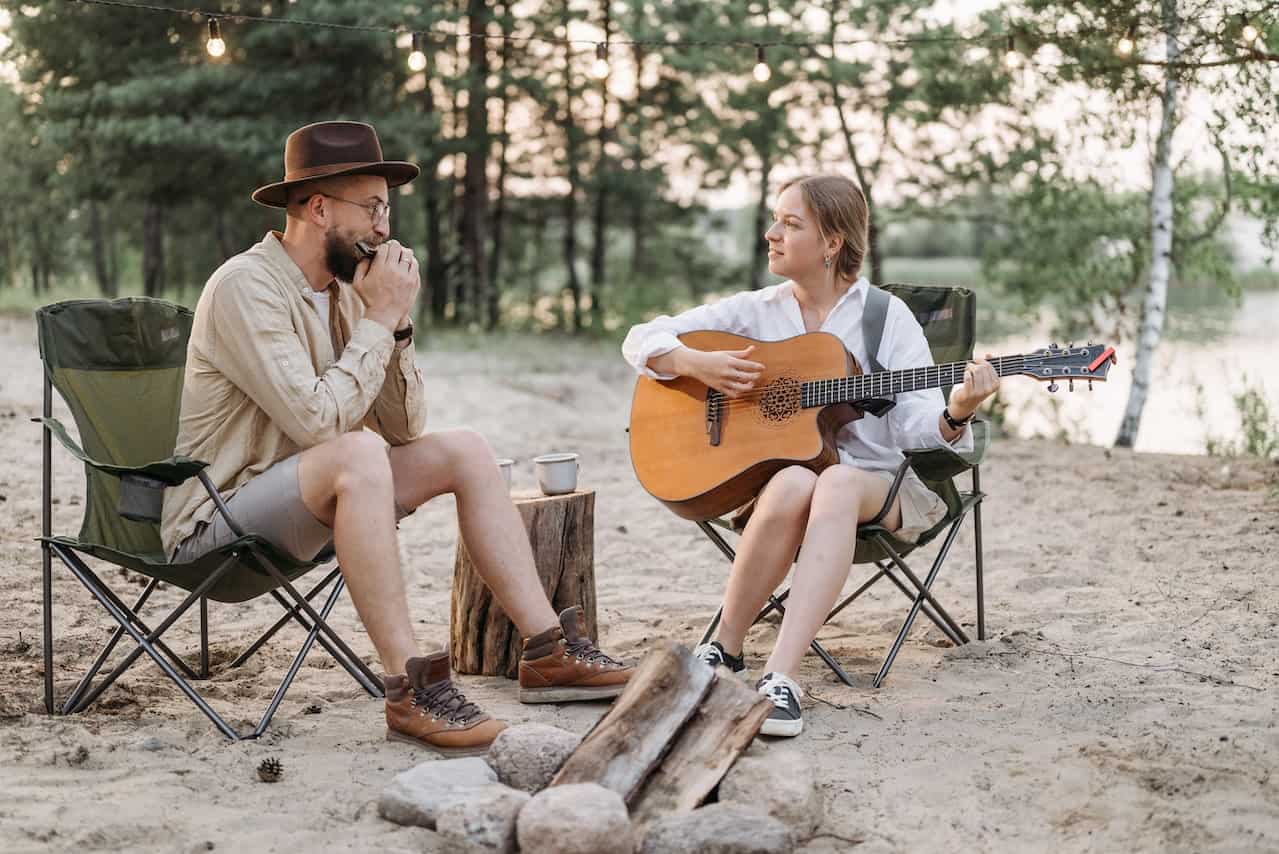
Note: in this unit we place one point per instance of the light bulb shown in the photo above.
(762, 71)
(600, 68)
(1012, 59)
(417, 58)
(215, 46)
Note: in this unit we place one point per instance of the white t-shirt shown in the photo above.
(773, 314)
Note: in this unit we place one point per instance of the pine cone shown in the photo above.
(270, 770)
(313, 709)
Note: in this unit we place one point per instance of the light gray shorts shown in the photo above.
(270, 505)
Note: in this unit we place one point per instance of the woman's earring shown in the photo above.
(826, 260)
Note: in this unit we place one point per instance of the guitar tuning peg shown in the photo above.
(1090, 385)
(1052, 386)
(1053, 346)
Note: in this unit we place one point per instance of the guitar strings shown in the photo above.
(750, 399)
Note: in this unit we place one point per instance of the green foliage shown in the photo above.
(1258, 427)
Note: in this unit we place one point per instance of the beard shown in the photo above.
(340, 256)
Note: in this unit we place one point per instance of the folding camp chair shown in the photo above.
(118, 364)
(948, 316)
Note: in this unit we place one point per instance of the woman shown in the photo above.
(817, 241)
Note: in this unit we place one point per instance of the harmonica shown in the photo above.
(363, 250)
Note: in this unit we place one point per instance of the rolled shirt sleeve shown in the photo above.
(255, 345)
(661, 334)
(399, 412)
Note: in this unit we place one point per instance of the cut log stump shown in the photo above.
(670, 737)
(561, 530)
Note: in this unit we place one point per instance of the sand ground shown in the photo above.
(1125, 700)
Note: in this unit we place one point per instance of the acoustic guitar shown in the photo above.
(703, 454)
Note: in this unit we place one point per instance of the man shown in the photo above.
(297, 346)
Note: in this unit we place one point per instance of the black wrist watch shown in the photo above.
(956, 424)
(403, 334)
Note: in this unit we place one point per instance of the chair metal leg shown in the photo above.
(981, 593)
(141, 624)
(297, 661)
(776, 603)
(291, 613)
(69, 704)
(283, 581)
(711, 626)
(146, 642)
(924, 590)
(46, 530)
(204, 637)
(918, 603)
(926, 609)
(370, 687)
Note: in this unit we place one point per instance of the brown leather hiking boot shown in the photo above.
(425, 708)
(560, 665)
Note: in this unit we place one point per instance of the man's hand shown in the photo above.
(388, 284)
(980, 382)
(728, 371)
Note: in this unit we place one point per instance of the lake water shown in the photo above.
(1210, 351)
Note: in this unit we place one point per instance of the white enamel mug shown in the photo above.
(556, 473)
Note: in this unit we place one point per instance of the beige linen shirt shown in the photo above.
(267, 377)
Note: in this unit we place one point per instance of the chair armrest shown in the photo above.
(938, 464)
(170, 472)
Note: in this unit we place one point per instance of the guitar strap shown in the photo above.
(874, 316)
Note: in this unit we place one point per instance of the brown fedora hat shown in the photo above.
(330, 149)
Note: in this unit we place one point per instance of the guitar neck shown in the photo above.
(888, 383)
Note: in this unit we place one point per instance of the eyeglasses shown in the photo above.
(379, 211)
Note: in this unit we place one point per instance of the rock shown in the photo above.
(718, 829)
(486, 818)
(579, 818)
(416, 796)
(152, 743)
(780, 785)
(527, 756)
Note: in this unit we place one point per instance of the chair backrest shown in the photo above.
(118, 364)
(949, 318)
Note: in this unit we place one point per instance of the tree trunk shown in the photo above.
(759, 257)
(152, 248)
(574, 180)
(499, 207)
(98, 250)
(599, 218)
(475, 192)
(873, 262)
(1161, 223)
(561, 530)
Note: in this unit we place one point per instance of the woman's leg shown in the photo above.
(764, 555)
(842, 494)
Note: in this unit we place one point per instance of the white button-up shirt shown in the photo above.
(773, 314)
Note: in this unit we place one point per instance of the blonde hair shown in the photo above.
(840, 209)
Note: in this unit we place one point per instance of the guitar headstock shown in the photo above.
(1091, 363)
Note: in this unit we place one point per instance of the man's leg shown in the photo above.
(346, 483)
(767, 548)
(827, 556)
(460, 462)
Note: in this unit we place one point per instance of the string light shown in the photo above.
(600, 68)
(417, 58)
(762, 71)
(1249, 32)
(1012, 59)
(1128, 43)
(215, 46)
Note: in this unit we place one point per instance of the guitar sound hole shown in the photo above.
(780, 401)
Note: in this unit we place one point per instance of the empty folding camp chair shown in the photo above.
(948, 316)
(118, 364)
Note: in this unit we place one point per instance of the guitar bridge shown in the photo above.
(713, 410)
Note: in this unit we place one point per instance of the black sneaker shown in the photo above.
(785, 719)
(714, 655)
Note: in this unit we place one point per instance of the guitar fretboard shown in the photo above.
(887, 383)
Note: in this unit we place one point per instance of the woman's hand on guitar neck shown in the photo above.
(980, 382)
(729, 372)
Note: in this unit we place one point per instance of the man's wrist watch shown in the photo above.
(956, 423)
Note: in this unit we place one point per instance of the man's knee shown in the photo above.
(360, 462)
(465, 446)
